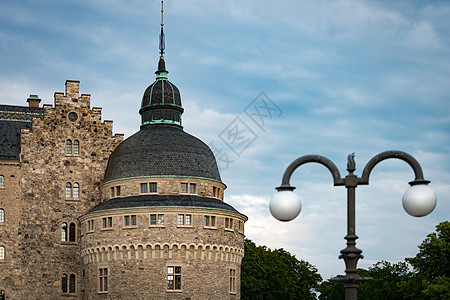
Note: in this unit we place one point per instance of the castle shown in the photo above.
(85, 214)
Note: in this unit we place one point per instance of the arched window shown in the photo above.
(76, 147)
(76, 190)
(2, 180)
(68, 190)
(72, 232)
(2, 295)
(68, 147)
(64, 232)
(2, 253)
(64, 283)
(72, 283)
(2, 215)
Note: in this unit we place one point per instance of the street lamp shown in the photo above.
(419, 200)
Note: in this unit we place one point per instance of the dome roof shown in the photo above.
(161, 103)
(161, 150)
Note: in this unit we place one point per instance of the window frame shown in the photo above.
(229, 224)
(103, 274)
(209, 221)
(193, 188)
(176, 272)
(2, 253)
(2, 216)
(129, 221)
(107, 223)
(69, 148)
(184, 187)
(232, 274)
(184, 220)
(158, 220)
(152, 187)
(90, 226)
(2, 181)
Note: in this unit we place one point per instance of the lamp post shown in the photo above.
(419, 200)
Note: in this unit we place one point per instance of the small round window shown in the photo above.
(73, 116)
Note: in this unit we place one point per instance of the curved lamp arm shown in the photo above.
(394, 154)
(285, 186)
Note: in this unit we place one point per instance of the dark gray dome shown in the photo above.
(162, 150)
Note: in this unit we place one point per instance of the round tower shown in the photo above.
(163, 230)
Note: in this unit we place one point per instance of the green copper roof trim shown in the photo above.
(161, 76)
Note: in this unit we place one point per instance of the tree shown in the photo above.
(429, 280)
(276, 274)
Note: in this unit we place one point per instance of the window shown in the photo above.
(115, 191)
(229, 223)
(68, 190)
(72, 191)
(64, 232)
(184, 219)
(174, 278)
(90, 225)
(2, 215)
(130, 220)
(241, 227)
(76, 147)
(68, 283)
(192, 188)
(2, 253)
(2, 295)
(152, 187)
(2, 180)
(68, 147)
(210, 221)
(107, 222)
(72, 148)
(76, 190)
(103, 280)
(216, 192)
(144, 188)
(184, 188)
(233, 281)
(68, 232)
(72, 232)
(157, 219)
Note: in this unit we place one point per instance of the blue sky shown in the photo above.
(339, 77)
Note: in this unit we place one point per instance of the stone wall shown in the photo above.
(46, 168)
(10, 235)
(137, 257)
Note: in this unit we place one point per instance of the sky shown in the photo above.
(263, 83)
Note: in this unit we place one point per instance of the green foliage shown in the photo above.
(276, 274)
(433, 259)
(430, 279)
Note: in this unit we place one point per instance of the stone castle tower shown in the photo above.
(85, 215)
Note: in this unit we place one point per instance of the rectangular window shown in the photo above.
(188, 220)
(180, 219)
(103, 280)
(144, 188)
(112, 192)
(157, 219)
(107, 222)
(229, 223)
(241, 227)
(184, 188)
(174, 278)
(118, 190)
(152, 187)
(233, 281)
(210, 221)
(130, 220)
(90, 225)
(192, 188)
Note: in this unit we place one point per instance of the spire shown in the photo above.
(162, 38)
(161, 73)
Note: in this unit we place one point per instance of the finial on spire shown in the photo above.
(162, 43)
